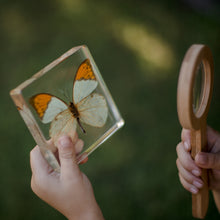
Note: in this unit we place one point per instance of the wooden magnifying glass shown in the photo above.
(194, 94)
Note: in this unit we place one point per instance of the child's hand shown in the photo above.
(190, 170)
(69, 191)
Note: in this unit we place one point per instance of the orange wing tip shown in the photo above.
(40, 103)
(85, 71)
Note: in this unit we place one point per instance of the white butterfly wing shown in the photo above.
(82, 88)
(55, 107)
(93, 110)
(47, 106)
(63, 124)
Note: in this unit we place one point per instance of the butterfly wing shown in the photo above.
(84, 82)
(52, 109)
(63, 124)
(47, 106)
(93, 110)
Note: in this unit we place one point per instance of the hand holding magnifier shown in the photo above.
(193, 100)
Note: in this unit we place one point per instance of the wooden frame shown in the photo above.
(196, 121)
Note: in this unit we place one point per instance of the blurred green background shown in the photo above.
(138, 47)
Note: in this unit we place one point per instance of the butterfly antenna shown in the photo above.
(80, 125)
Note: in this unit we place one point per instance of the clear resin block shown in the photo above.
(68, 97)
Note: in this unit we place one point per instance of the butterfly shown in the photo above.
(86, 107)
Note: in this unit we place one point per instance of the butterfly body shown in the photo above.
(73, 110)
(87, 106)
(76, 115)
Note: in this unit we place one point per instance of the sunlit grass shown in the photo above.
(146, 44)
(70, 7)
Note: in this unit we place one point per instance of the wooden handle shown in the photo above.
(196, 55)
(200, 201)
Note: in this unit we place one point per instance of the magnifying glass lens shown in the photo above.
(198, 87)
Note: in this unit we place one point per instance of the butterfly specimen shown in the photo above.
(87, 106)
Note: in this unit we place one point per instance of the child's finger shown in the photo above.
(189, 177)
(185, 136)
(84, 161)
(189, 187)
(186, 160)
(79, 146)
(39, 165)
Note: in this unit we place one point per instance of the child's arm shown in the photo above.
(70, 191)
(190, 170)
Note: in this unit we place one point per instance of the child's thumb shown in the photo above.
(67, 156)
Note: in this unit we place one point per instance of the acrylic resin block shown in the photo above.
(68, 97)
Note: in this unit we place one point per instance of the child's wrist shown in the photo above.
(88, 215)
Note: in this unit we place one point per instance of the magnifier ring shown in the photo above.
(196, 55)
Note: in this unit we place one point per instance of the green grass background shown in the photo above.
(138, 47)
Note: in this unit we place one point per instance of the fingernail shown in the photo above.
(197, 184)
(193, 190)
(196, 172)
(64, 141)
(202, 159)
(187, 146)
